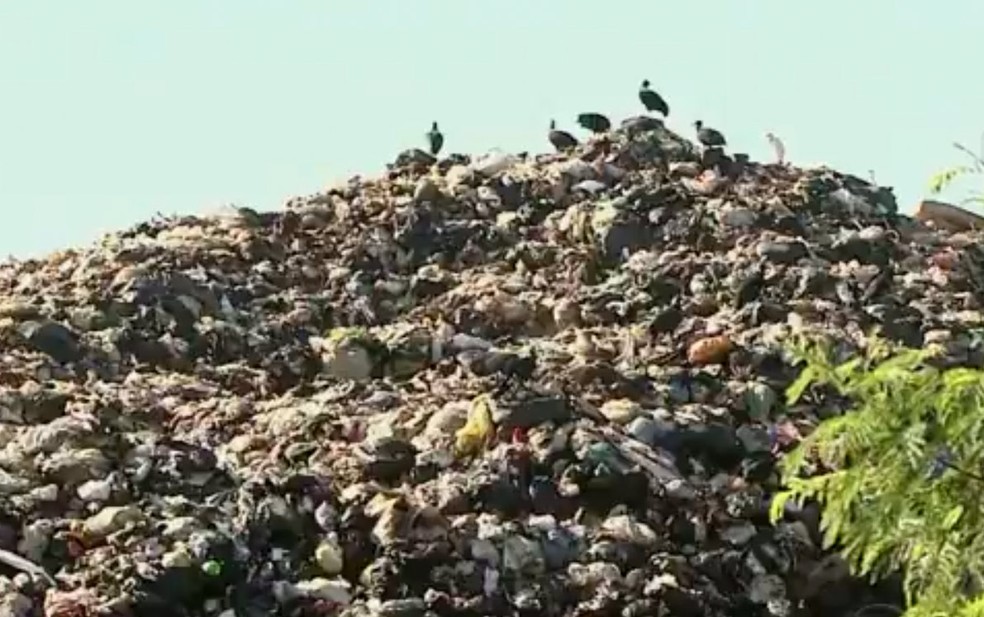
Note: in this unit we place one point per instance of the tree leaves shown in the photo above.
(945, 178)
(952, 517)
(879, 502)
(798, 387)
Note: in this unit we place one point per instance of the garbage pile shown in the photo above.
(502, 385)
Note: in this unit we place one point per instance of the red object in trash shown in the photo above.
(519, 436)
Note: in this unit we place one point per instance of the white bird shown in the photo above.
(778, 147)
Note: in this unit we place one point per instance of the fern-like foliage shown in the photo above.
(943, 179)
(899, 476)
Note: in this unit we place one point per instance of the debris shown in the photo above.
(948, 217)
(24, 565)
(472, 386)
(478, 430)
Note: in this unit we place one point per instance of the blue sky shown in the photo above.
(112, 110)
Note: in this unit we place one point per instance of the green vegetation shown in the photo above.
(944, 179)
(898, 475)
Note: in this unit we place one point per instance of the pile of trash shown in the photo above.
(504, 385)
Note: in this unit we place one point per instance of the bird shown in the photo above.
(562, 140)
(778, 146)
(595, 123)
(651, 100)
(435, 138)
(708, 136)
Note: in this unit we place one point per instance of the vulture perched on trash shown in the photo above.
(435, 139)
(708, 136)
(651, 100)
(596, 123)
(562, 140)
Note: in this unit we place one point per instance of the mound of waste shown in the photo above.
(505, 385)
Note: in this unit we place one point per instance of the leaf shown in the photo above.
(952, 517)
(974, 608)
(846, 370)
(870, 556)
(943, 179)
(798, 387)
(778, 506)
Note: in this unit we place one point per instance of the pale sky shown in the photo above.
(111, 110)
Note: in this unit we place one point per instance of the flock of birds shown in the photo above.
(597, 123)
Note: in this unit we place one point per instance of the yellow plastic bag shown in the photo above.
(478, 429)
